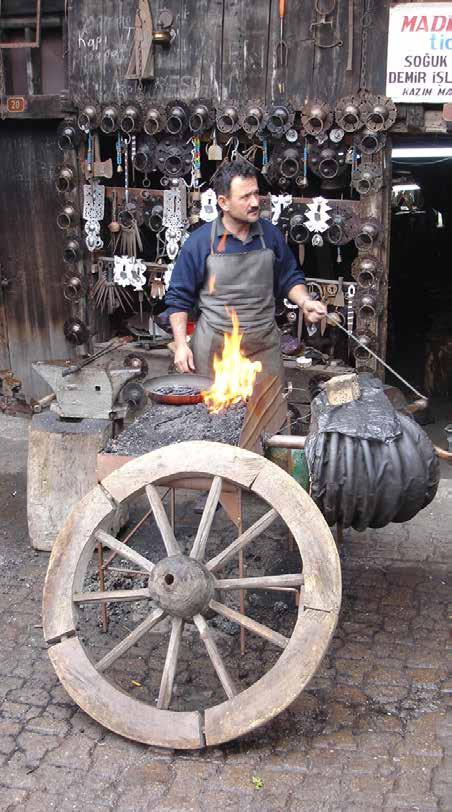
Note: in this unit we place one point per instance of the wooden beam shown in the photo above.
(33, 43)
(14, 23)
(56, 105)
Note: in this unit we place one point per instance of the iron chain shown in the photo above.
(367, 21)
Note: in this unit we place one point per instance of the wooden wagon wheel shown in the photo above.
(185, 589)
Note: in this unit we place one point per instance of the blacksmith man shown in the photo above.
(240, 261)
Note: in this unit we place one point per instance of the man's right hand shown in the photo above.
(183, 358)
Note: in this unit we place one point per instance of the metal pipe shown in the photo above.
(12, 23)
(43, 402)
(285, 441)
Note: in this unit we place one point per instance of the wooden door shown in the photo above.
(32, 306)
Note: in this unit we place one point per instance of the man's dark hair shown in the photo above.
(229, 171)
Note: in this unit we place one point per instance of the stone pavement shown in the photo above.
(367, 734)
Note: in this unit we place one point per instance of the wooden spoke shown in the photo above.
(155, 617)
(169, 670)
(199, 544)
(121, 595)
(215, 656)
(261, 582)
(162, 521)
(243, 540)
(253, 626)
(123, 550)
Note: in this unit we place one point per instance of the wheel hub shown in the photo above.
(181, 586)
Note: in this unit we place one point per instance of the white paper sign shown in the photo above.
(420, 53)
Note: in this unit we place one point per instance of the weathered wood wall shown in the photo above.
(32, 308)
(225, 49)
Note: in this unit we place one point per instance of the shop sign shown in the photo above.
(16, 104)
(419, 66)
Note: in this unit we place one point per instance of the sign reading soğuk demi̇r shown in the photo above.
(420, 53)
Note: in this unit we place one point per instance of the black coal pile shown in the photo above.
(162, 425)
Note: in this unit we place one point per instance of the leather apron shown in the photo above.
(243, 281)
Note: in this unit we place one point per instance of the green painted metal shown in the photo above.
(298, 464)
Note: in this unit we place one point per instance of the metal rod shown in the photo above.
(285, 441)
(114, 345)
(334, 323)
(10, 23)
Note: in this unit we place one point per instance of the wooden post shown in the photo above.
(378, 205)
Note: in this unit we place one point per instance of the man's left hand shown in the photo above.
(314, 311)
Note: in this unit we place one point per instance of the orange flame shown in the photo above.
(234, 373)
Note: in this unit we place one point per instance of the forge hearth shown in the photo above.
(161, 425)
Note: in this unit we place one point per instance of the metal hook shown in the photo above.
(235, 148)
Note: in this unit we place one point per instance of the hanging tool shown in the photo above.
(281, 48)
(350, 295)
(333, 320)
(114, 345)
(99, 168)
(339, 300)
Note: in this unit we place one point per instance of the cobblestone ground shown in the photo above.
(367, 734)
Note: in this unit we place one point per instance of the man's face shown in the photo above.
(242, 203)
